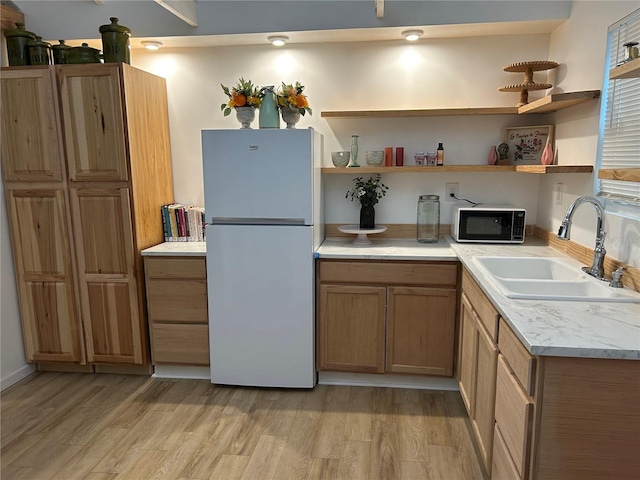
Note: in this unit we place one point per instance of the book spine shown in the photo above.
(164, 223)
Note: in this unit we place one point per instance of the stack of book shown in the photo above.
(183, 223)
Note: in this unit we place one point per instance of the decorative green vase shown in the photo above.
(60, 53)
(39, 52)
(268, 117)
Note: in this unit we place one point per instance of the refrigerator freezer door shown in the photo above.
(258, 174)
(261, 305)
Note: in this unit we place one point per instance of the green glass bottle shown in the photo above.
(268, 117)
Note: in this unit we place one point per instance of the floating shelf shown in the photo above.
(436, 112)
(626, 70)
(550, 103)
(538, 169)
(558, 101)
(624, 174)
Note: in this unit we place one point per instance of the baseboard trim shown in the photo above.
(180, 371)
(15, 377)
(394, 381)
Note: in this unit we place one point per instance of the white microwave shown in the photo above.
(488, 224)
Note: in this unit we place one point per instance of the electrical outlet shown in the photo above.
(451, 189)
(559, 192)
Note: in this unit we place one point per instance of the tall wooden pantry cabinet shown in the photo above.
(86, 165)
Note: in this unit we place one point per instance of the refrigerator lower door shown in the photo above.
(261, 305)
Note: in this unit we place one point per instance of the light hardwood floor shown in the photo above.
(103, 427)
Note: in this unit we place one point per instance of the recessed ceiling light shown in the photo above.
(278, 40)
(412, 35)
(151, 45)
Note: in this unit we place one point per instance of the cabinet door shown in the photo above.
(106, 270)
(351, 328)
(42, 257)
(467, 359)
(485, 393)
(31, 144)
(420, 330)
(93, 122)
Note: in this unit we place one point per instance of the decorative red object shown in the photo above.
(493, 155)
(388, 156)
(547, 155)
(399, 156)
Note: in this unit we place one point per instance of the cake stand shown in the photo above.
(361, 239)
(528, 84)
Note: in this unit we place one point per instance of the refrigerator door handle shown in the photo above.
(256, 221)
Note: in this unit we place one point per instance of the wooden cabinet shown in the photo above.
(177, 306)
(86, 166)
(477, 359)
(394, 317)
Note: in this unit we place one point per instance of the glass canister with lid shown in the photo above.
(428, 223)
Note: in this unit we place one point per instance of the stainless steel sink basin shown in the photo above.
(547, 278)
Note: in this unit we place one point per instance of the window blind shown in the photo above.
(620, 145)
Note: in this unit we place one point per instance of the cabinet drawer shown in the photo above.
(177, 301)
(175, 267)
(520, 361)
(481, 304)
(390, 273)
(513, 417)
(502, 467)
(178, 343)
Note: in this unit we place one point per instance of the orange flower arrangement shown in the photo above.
(244, 94)
(291, 96)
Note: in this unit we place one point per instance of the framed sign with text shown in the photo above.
(527, 143)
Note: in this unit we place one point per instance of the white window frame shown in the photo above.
(619, 197)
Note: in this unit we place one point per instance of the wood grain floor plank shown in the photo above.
(101, 476)
(330, 433)
(406, 395)
(175, 394)
(461, 434)
(241, 402)
(16, 473)
(416, 470)
(312, 401)
(435, 419)
(230, 467)
(264, 460)
(359, 414)
(355, 461)
(16, 448)
(215, 403)
(101, 446)
(383, 407)
(412, 437)
(143, 465)
(204, 460)
(295, 461)
(445, 463)
(384, 461)
(52, 461)
(323, 469)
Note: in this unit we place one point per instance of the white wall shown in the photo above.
(579, 44)
(436, 73)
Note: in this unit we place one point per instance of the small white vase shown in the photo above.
(290, 116)
(245, 116)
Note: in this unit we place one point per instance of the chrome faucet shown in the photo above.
(597, 269)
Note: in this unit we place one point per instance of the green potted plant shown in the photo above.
(368, 194)
(292, 103)
(245, 97)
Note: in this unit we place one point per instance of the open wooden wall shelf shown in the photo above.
(626, 70)
(538, 169)
(550, 103)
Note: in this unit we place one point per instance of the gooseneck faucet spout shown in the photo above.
(564, 232)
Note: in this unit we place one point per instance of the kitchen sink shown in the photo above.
(549, 278)
(529, 268)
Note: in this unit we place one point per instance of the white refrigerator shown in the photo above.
(264, 223)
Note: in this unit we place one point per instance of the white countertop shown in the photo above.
(171, 249)
(386, 249)
(547, 328)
